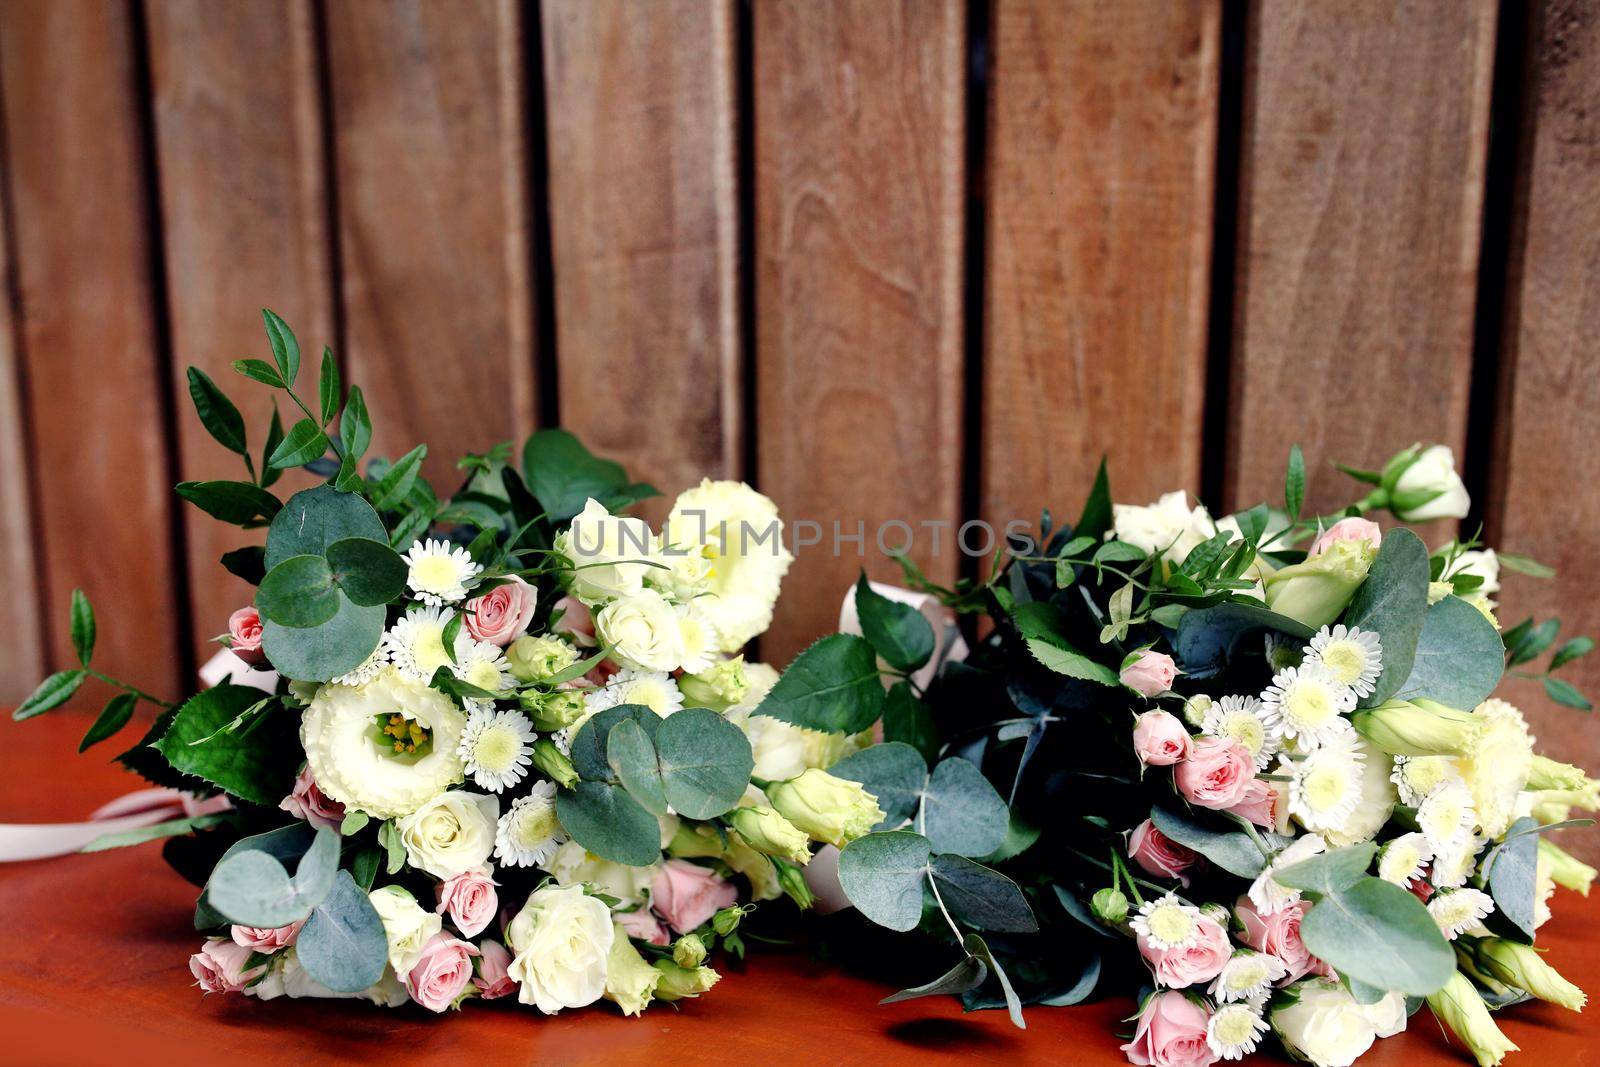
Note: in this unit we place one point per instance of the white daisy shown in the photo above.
(1401, 860)
(1246, 976)
(1307, 703)
(1239, 718)
(1270, 896)
(528, 834)
(1234, 1030)
(1352, 655)
(483, 665)
(654, 689)
(1326, 787)
(1446, 816)
(368, 670)
(1454, 865)
(1456, 911)
(416, 642)
(496, 746)
(699, 638)
(1167, 923)
(1282, 652)
(440, 572)
(1417, 776)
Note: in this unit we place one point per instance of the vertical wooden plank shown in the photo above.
(644, 233)
(1102, 155)
(433, 221)
(239, 135)
(94, 376)
(1542, 500)
(1362, 185)
(859, 126)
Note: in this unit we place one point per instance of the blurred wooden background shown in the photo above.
(906, 260)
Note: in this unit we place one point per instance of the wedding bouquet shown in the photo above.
(1250, 770)
(470, 746)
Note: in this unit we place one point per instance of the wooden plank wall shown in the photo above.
(889, 259)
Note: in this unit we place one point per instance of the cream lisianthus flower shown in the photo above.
(407, 926)
(1168, 524)
(642, 631)
(386, 747)
(739, 533)
(1498, 769)
(630, 981)
(610, 555)
(1423, 485)
(452, 833)
(832, 810)
(573, 865)
(1324, 1025)
(561, 941)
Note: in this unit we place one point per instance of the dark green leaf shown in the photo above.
(314, 519)
(961, 812)
(1233, 851)
(82, 626)
(305, 442)
(907, 719)
(217, 413)
(355, 426)
(368, 570)
(398, 479)
(1377, 933)
(322, 653)
(899, 632)
(1566, 694)
(1394, 602)
(1459, 657)
(1096, 517)
(270, 475)
(113, 717)
(248, 563)
(832, 686)
(51, 693)
(259, 370)
(1529, 644)
(1071, 663)
(608, 822)
(285, 349)
(364, 862)
(255, 761)
(563, 474)
(984, 899)
(882, 875)
(299, 592)
(239, 503)
(1571, 650)
(979, 948)
(968, 974)
(1294, 483)
(895, 773)
(328, 386)
(342, 946)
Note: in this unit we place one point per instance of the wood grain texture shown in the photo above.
(245, 217)
(1362, 186)
(433, 222)
(1102, 133)
(94, 376)
(859, 188)
(1542, 500)
(639, 101)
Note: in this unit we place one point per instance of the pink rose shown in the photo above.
(574, 619)
(262, 939)
(470, 900)
(1158, 854)
(1278, 935)
(442, 973)
(1150, 674)
(1159, 739)
(1171, 1033)
(1266, 804)
(642, 924)
(1217, 773)
(493, 963)
(244, 636)
(500, 615)
(1351, 529)
(219, 966)
(686, 894)
(308, 802)
(1177, 968)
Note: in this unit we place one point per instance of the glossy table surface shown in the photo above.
(93, 969)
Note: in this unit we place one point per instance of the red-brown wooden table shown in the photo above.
(93, 954)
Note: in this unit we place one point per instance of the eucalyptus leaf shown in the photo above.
(832, 686)
(1329, 872)
(322, 653)
(1377, 933)
(590, 746)
(314, 519)
(156, 831)
(298, 592)
(342, 946)
(1393, 601)
(980, 948)
(1459, 658)
(982, 898)
(285, 844)
(968, 974)
(899, 632)
(1208, 639)
(882, 875)
(1231, 850)
(705, 763)
(961, 811)
(632, 757)
(893, 772)
(252, 888)
(1512, 878)
(605, 820)
(368, 571)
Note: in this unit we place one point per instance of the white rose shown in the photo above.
(573, 865)
(1388, 1015)
(1481, 562)
(740, 533)
(606, 552)
(406, 925)
(642, 631)
(560, 942)
(1325, 1025)
(1433, 471)
(450, 834)
(1168, 524)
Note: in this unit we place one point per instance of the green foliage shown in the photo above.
(1294, 483)
(399, 479)
(832, 686)
(298, 592)
(563, 475)
(1208, 639)
(285, 349)
(882, 874)
(961, 812)
(259, 370)
(981, 897)
(217, 413)
(343, 945)
(893, 772)
(979, 948)
(590, 753)
(1377, 933)
(907, 719)
(238, 741)
(328, 387)
(313, 519)
(1393, 601)
(238, 503)
(1233, 851)
(899, 632)
(305, 442)
(1330, 872)
(252, 888)
(113, 717)
(285, 844)
(155, 831)
(1510, 871)
(82, 628)
(1096, 517)
(968, 974)
(604, 819)
(51, 693)
(1459, 657)
(368, 571)
(324, 652)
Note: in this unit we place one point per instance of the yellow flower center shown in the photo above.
(1170, 924)
(1325, 788)
(535, 824)
(1424, 773)
(434, 574)
(1309, 706)
(651, 694)
(1243, 976)
(1245, 729)
(1345, 659)
(1444, 817)
(485, 676)
(496, 749)
(399, 736)
(427, 648)
(1234, 1027)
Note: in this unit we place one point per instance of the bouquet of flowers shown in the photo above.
(470, 746)
(1250, 770)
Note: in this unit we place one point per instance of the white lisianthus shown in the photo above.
(738, 531)
(407, 925)
(1388, 1015)
(1426, 485)
(1499, 766)
(1168, 524)
(610, 555)
(1324, 1024)
(1376, 802)
(573, 865)
(642, 631)
(386, 747)
(452, 833)
(560, 942)
(630, 981)
(1480, 562)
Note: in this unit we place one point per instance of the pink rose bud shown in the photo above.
(1179, 968)
(1158, 854)
(503, 613)
(641, 923)
(244, 636)
(574, 620)
(1266, 804)
(1217, 774)
(1278, 935)
(308, 802)
(1351, 529)
(219, 966)
(686, 894)
(1159, 739)
(492, 979)
(1150, 674)
(1171, 1032)
(260, 939)
(442, 973)
(470, 900)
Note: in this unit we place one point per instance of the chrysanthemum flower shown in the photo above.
(483, 665)
(1270, 896)
(1234, 1030)
(1417, 776)
(440, 572)
(698, 634)
(1167, 923)
(1455, 911)
(415, 643)
(496, 746)
(654, 689)
(1326, 787)
(1452, 866)
(1352, 655)
(1246, 976)
(1402, 859)
(528, 834)
(1446, 816)
(369, 669)
(1307, 704)
(1240, 719)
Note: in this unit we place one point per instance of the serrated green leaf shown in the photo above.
(285, 349)
(258, 764)
(833, 686)
(51, 693)
(217, 413)
(113, 717)
(1070, 663)
(82, 626)
(305, 442)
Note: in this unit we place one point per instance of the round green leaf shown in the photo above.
(705, 762)
(1459, 659)
(883, 874)
(893, 772)
(1377, 933)
(368, 570)
(589, 754)
(322, 653)
(633, 758)
(982, 898)
(343, 945)
(252, 888)
(315, 518)
(298, 592)
(961, 812)
(605, 820)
